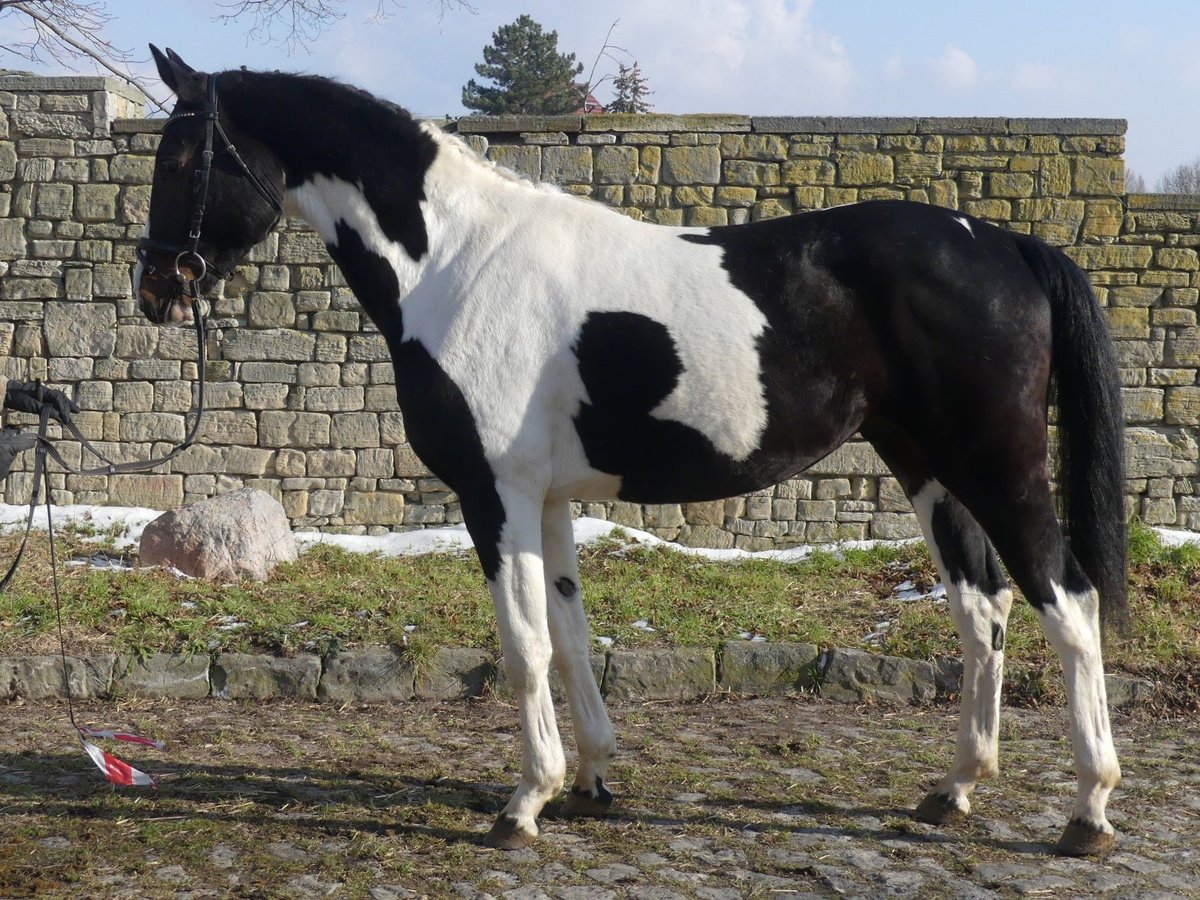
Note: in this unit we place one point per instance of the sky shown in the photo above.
(1060, 58)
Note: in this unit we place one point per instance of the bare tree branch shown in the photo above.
(295, 24)
(604, 53)
(68, 30)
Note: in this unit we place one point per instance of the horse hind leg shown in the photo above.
(1020, 519)
(980, 598)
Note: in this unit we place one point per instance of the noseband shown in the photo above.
(190, 251)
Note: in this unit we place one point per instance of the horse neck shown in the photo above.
(351, 162)
(375, 184)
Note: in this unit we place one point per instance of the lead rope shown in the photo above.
(114, 769)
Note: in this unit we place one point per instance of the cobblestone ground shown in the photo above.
(730, 798)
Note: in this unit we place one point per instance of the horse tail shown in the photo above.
(1091, 427)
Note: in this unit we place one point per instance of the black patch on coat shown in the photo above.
(997, 637)
(443, 434)
(317, 126)
(438, 420)
(628, 364)
(602, 794)
(566, 587)
(369, 276)
(966, 552)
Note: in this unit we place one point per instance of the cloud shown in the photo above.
(955, 69)
(1037, 78)
(755, 56)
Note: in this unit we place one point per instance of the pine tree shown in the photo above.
(529, 75)
(630, 89)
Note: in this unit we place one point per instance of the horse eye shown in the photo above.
(170, 166)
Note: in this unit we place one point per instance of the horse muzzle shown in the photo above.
(164, 299)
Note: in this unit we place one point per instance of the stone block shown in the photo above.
(691, 165)
(334, 399)
(227, 426)
(152, 426)
(861, 169)
(683, 673)
(293, 429)
(153, 491)
(12, 239)
(161, 676)
(80, 329)
(750, 173)
(298, 247)
(245, 344)
(616, 165)
(1183, 406)
(367, 675)
(41, 677)
(454, 673)
(855, 676)
(96, 202)
(1125, 692)
(368, 348)
(525, 161)
(1011, 185)
(374, 508)
(891, 526)
(1098, 176)
(564, 165)
(255, 676)
(767, 147)
(773, 668)
(125, 168)
(272, 309)
(355, 429)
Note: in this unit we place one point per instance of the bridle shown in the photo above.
(190, 251)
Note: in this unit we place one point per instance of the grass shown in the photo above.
(332, 599)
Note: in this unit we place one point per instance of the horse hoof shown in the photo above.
(939, 809)
(580, 804)
(1084, 839)
(507, 834)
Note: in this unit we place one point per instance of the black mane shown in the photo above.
(318, 126)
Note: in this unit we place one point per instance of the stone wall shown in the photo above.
(300, 384)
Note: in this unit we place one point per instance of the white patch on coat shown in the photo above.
(965, 223)
(512, 273)
(975, 613)
(1072, 626)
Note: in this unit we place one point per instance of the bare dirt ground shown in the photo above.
(729, 798)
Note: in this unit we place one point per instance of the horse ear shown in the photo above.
(183, 81)
(178, 60)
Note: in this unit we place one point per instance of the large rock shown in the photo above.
(236, 536)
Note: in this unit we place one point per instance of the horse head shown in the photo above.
(216, 193)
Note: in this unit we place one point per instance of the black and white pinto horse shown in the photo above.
(547, 348)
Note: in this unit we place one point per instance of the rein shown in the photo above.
(114, 769)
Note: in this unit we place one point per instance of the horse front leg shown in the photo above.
(519, 593)
(569, 634)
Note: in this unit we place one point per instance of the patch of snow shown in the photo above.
(907, 592)
(129, 521)
(1172, 538)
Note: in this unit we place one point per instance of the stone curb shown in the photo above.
(384, 674)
